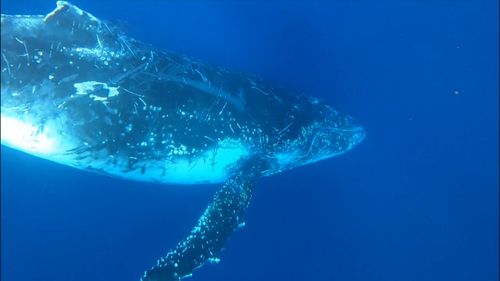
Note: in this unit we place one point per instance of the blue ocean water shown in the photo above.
(417, 200)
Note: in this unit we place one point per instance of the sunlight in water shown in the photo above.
(24, 136)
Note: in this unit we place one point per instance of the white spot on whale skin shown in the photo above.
(89, 87)
(129, 127)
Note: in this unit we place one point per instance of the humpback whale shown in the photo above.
(78, 91)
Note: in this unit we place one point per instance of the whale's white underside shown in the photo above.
(212, 166)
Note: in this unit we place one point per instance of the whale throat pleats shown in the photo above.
(219, 220)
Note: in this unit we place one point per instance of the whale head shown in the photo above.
(320, 134)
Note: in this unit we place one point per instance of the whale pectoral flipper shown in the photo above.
(219, 220)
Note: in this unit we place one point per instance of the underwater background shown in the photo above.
(417, 200)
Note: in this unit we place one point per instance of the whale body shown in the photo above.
(78, 91)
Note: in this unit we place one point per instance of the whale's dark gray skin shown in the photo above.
(77, 91)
